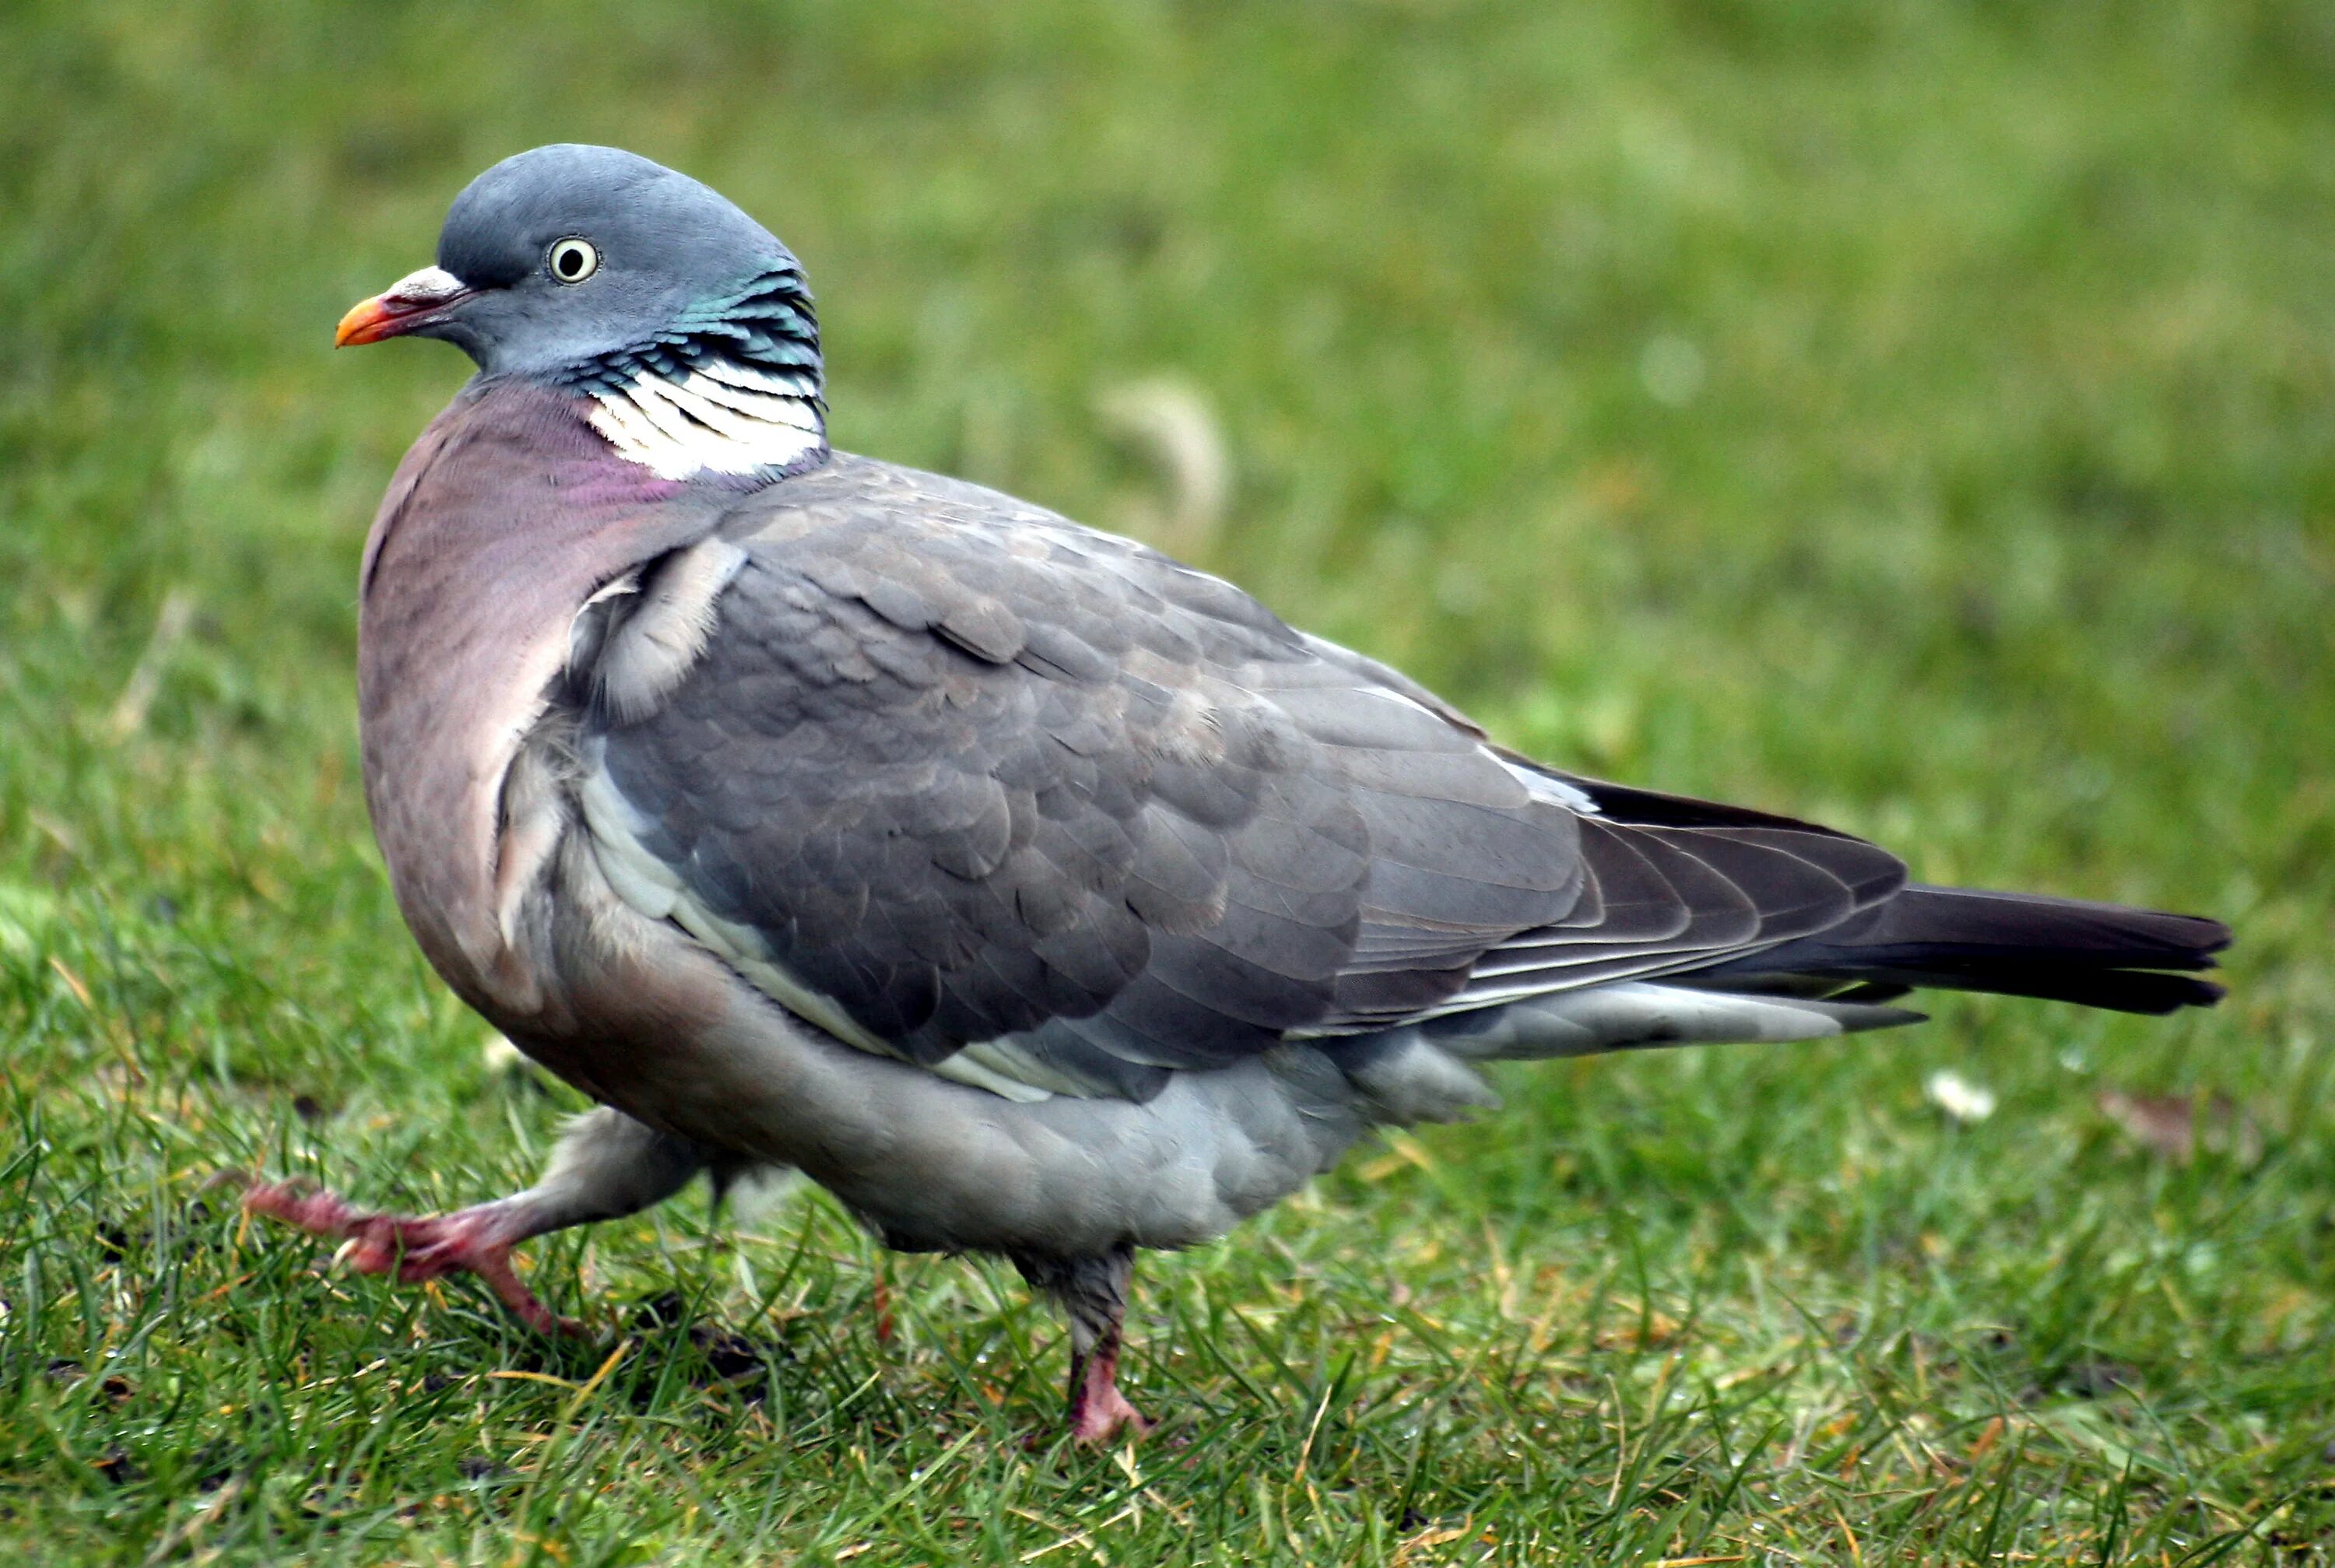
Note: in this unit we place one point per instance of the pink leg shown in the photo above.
(1092, 1294)
(476, 1240)
(880, 1294)
(1099, 1411)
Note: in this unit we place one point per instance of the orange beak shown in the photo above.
(411, 302)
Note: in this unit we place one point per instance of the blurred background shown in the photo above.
(1915, 415)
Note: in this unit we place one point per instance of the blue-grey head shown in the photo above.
(578, 263)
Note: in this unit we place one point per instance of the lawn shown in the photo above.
(1919, 416)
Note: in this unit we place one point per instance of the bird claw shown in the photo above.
(1099, 1411)
(415, 1247)
(1100, 1417)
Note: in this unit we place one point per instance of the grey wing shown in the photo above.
(1040, 809)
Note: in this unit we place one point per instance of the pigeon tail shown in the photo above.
(2004, 943)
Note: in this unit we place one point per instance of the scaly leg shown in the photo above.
(606, 1166)
(1098, 1410)
(415, 1247)
(1092, 1291)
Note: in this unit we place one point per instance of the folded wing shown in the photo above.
(1037, 808)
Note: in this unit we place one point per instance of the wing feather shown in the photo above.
(1042, 809)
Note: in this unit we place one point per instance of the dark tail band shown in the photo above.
(2008, 944)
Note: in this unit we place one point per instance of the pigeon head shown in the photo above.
(580, 264)
(683, 325)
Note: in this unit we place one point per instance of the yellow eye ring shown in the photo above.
(572, 260)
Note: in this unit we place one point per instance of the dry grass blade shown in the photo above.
(171, 624)
(2177, 1128)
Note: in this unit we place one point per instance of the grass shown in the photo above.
(1919, 416)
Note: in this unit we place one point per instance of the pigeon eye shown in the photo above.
(572, 260)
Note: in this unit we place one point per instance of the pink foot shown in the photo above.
(476, 1240)
(1099, 1411)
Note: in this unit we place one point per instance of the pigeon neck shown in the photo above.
(718, 417)
(733, 390)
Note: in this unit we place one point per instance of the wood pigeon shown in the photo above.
(1033, 893)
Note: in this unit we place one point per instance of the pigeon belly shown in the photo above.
(684, 1043)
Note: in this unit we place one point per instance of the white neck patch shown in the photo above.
(721, 418)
